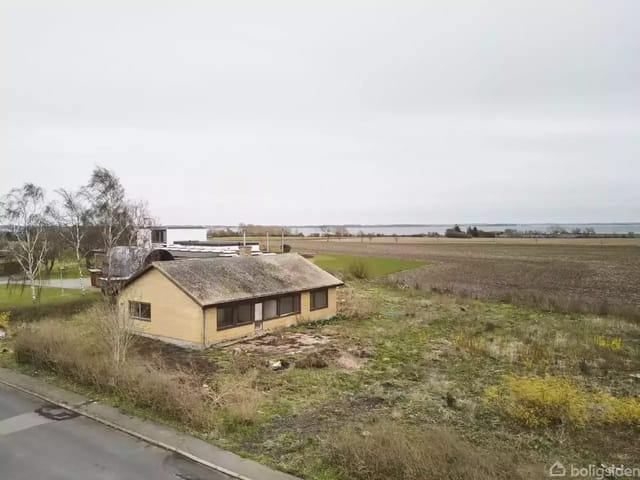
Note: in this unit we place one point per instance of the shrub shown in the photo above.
(359, 269)
(387, 450)
(286, 248)
(538, 401)
(4, 320)
(179, 394)
(77, 355)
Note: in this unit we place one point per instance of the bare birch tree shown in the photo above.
(139, 216)
(115, 328)
(73, 218)
(25, 210)
(112, 215)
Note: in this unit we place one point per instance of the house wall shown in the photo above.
(306, 315)
(175, 316)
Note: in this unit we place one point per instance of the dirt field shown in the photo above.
(567, 274)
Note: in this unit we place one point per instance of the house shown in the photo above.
(202, 301)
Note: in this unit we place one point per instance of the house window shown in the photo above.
(158, 236)
(269, 309)
(288, 305)
(235, 315)
(319, 299)
(140, 310)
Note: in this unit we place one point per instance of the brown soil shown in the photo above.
(583, 271)
(174, 357)
(284, 343)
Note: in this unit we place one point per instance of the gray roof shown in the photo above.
(211, 281)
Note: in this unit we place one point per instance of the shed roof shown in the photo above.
(211, 281)
(120, 263)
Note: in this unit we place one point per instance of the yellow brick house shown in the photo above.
(202, 301)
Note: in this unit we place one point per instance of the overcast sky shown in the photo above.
(330, 112)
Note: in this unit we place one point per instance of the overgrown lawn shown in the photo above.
(402, 384)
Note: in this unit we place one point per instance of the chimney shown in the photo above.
(244, 251)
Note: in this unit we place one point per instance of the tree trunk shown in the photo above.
(82, 287)
(33, 289)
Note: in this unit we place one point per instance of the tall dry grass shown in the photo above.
(387, 450)
(176, 394)
(355, 304)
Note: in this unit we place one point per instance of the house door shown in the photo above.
(257, 317)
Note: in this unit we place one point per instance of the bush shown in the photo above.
(286, 248)
(387, 450)
(359, 268)
(539, 401)
(4, 320)
(76, 355)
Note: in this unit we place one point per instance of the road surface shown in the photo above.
(44, 442)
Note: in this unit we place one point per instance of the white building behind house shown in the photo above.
(167, 235)
(185, 241)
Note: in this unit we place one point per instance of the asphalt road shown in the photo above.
(39, 441)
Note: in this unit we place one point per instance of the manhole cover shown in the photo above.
(54, 412)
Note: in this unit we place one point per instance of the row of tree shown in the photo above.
(98, 215)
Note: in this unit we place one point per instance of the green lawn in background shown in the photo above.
(376, 265)
(15, 296)
(69, 268)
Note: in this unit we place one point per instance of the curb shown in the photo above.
(131, 433)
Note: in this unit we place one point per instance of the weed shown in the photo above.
(4, 320)
(469, 343)
(614, 344)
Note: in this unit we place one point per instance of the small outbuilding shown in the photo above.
(202, 301)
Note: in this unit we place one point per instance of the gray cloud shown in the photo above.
(431, 112)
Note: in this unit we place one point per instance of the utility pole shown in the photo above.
(282, 240)
(267, 242)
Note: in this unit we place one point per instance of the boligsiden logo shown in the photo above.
(558, 470)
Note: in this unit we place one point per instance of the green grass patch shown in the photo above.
(67, 268)
(17, 296)
(375, 266)
(51, 302)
